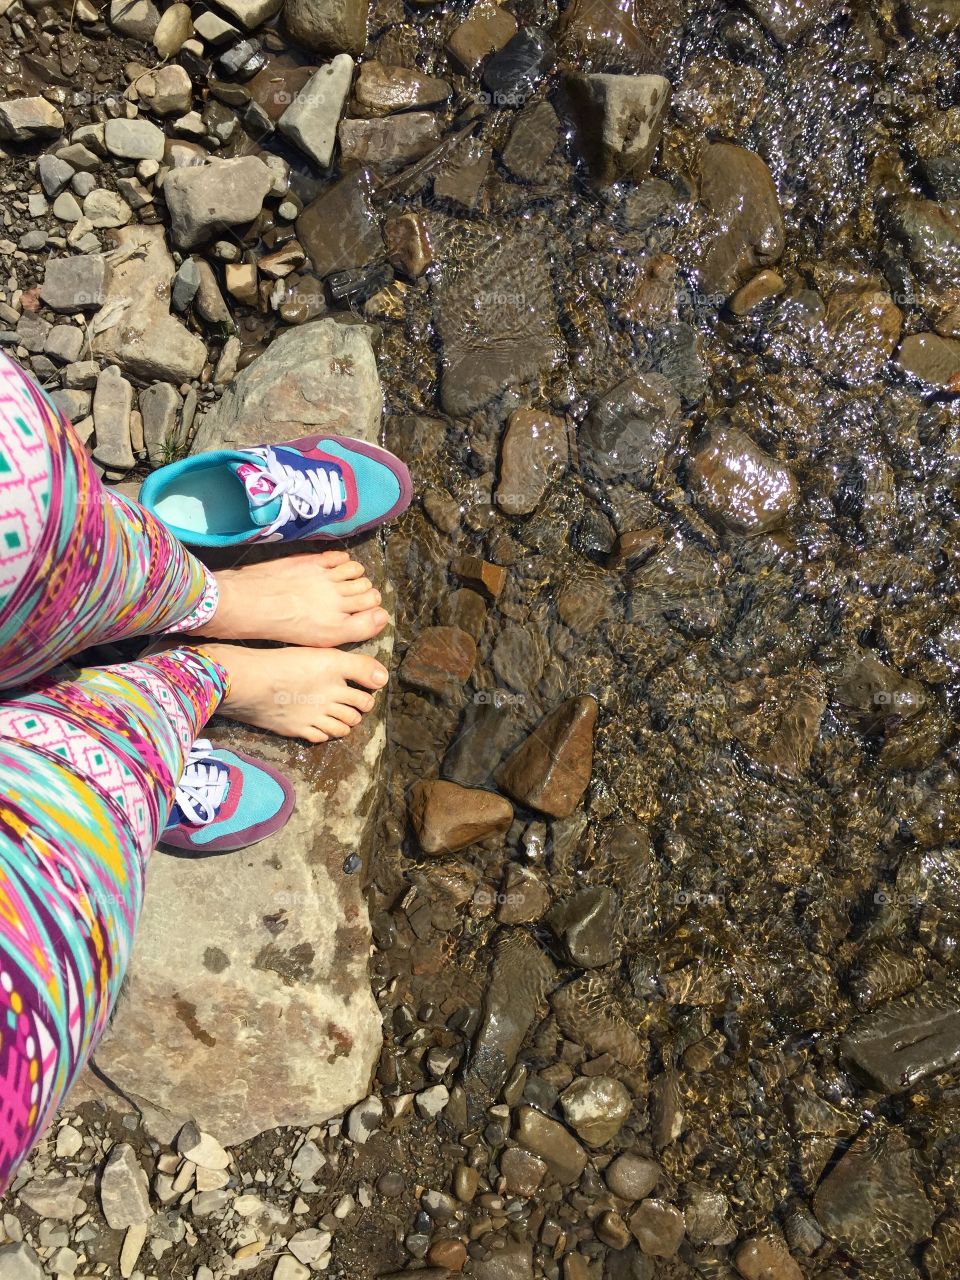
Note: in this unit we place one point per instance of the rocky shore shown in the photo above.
(625, 946)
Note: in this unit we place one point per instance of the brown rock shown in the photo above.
(634, 547)
(522, 1171)
(532, 141)
(632, 1177)
(534, 452)
(657, 1228)
(462, 175)
(487, 29)
(766, 1258)
(382, 89)
(466, 609)
(524, 898)
(548, 1139)
(551, 769)
(451, 1254)
(340, 229)
(613, 1231)
(765, 284)
(447, 817)
(388, 143)
(934, 360)
(865, 326)
(739, 484)
(596, 1108)
(329, 26)
(408, 244)
(439, 660)
(241, 278)
(747, 223)
(492, 577)
(610, 35)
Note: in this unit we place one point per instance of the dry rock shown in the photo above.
(124, 1191)
(29, 119)
(619, 120)
(312, 118)
(329, 26)
(205, 199)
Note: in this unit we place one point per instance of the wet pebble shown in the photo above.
(596, 1108)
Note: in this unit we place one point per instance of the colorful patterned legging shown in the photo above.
(89, 759)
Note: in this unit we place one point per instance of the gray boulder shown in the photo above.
(205, 199)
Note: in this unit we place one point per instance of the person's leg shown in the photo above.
(88, 771)
(78, 565)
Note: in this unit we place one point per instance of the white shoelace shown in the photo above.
(203, 785)
(302, 494)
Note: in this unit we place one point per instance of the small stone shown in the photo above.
(134, 139)
(632, 1177)
(106, 209)
(37, 205)
(522, 1171)
(451, 1254)
(763, 286)
(613, 1231)
(202, 199)
(739, 484)
(32, 331)
(136, 18)
(311, 120)
(932, 359)
(53, 1197)
(19, 1262)
(63, 1262)
(309, 1246)
(382, 89)
(364, 1120)
(185, 285)
(619, 119)
(463, 173)
(64, 343)
(82, 184)
(657, 1228)
(430, 1102)
(596, 1108)
(308, 1162)
(330, 26)
(533, 140)
(766, 1258)
(112, 403)
(81, 376)
(29, 119)
(79, 156)
(54, 174)
(124, 1192)
(512, 74)
(533, 453)
(549, 1140)
(66, 208)
(747, 230)
(408, 244)
(447, 817)
(69, 1139)
(491, 577)
(551, 769)
(487, 29)
(390, 142)
(288, 1268)
(242, 282)
(75, 284)
(173, 30)
(167, 91)
(201, 1148)
(439, 660)
(585, 925)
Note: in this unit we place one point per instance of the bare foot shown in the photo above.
(298, 692)
(320, 598)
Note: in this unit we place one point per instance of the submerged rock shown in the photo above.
(595, 1107)
(932, 359)
(533, 140)
(533, 452)
(439, 660)
(551, 770)
(908, 1039)
(513, 72)
(340, 230)
(585, 925)
(787, 20)
(614, 35)
(872, 1202)
(746, 231)
(382, 89)
(487, 28)
(519, 980)
(631, 430)
(496, 319)
(739, 484)
(549, 1140)
(588, 1012)
(447, 817)
(389, 142)
(766, 1258)
(619, 119)
(329, 26)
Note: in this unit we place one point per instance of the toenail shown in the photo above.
(380, 677)
(380, 615)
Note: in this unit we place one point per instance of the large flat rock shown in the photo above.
(248, 1003)
(908, 1039)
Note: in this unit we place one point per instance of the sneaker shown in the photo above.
(226, 800)
(319, 487)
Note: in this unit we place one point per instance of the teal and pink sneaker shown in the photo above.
(318, 487)
(226, 800)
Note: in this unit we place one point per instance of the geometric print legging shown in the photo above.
(89, 759)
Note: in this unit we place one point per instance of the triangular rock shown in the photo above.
(550, 770)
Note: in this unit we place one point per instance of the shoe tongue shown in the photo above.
(260, 487)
